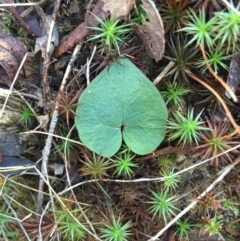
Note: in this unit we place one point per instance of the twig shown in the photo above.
(224, 172)
(88, 65)
(12, 85)
(47, 53)
(20, 4)
(164, 151)
(45, 155)
(47, 147)
(163, 73)
(69, 67)
(46, 150)
(52, 135)
(41, 221)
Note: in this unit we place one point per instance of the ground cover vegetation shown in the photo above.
(143, 153)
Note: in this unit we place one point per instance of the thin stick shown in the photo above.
(163, 73)
(47, 147)
(53, 135)
(70, 64)
(21, 4)
(88, 66)
(12, 85)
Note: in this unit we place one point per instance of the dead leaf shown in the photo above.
(29, 22)
(232, 231)
(12, 165)
(43, 121)
(118, 8)
(41, 42)
(9, 63)
(12, 51)
(12, 144)
(233, 79)
(58, 168)
(152, 32)
(15, 46)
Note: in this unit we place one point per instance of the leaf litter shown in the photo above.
(152, 32)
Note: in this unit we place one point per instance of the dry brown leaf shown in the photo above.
(15, 46)
(232, 231)
(233, 80)
(118, 8)
(41, 42)
(8, 62)
(12, 52)
(43, 121)
(152, 32)
(29, 22)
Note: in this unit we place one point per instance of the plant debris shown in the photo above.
(12, 52)
(118, 8)
(233, 79)
(152, 32)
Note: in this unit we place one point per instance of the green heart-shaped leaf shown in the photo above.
(121, 103)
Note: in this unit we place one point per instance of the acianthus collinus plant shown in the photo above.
(121, 104)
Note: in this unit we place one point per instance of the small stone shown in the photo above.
(74, 8)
